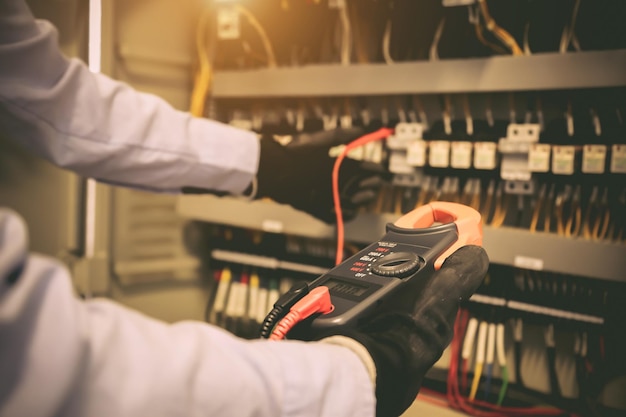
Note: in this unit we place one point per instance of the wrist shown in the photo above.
(358, 349)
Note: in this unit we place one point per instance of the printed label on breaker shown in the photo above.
(563, 160)
(618, 159)
(439, 155)
(594, 159)
(416, 153)
(461, 156)
(485, 155)
(539, 157)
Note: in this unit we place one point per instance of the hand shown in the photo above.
(405, 346)
(300, 173)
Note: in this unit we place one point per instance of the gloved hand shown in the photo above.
(300, 172)
(405, 346)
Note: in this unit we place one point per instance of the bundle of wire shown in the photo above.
(502, 35)
(453, 397)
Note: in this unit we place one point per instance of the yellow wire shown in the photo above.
(478, 370)
(481, 37)
(504, 36)
(537, 210)
(271, 58)
(203, 76)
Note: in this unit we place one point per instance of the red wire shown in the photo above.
(370, 137)
(464, 376)
(317, 301)
(457, 401)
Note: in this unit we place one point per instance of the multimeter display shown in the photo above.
(342, 287)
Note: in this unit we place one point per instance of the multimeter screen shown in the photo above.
(341, 287)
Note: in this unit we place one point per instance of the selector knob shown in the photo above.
(398, 264)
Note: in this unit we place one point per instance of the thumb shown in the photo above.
(459, 277)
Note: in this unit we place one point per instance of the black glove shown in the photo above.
(405, 346)
(300, 173)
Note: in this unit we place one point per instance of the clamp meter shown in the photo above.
(388, 274)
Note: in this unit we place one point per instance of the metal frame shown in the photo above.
(547, 71)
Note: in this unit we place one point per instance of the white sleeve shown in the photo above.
(60, 356)
(104, 129)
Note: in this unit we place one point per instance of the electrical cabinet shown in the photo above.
(157, 253)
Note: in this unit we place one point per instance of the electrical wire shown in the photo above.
(386, 44)
(486, 206)
(548, 211)
(481, 408)
(434, 47)
(203, 76)
(518, 328)
(346, 33)
(316, 301)
(253, 298)
(380, 134)
(480, 358)
(551, 354)
(502, 205)
(501, 34)
(527, 50)
(468, 344)
(501, 355)
(574, 221)
(602, 221)
(221, 295)
(539, 203)
(491, 349)
(480, 35)
(267, 45)
(568, 35)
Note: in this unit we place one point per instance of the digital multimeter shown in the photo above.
(388, 274)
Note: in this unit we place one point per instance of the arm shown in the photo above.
(63, 356)
(104, 129)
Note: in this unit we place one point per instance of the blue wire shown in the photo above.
(488, 381)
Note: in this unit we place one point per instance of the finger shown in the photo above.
(328, 138)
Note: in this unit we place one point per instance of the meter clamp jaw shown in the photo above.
(389, 274)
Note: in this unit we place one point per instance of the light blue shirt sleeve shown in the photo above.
(61, 356)
(102, 128)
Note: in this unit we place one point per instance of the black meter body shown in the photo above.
(386, 275)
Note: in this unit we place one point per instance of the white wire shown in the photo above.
(346, 36)
(386, 43)
(253, 297)
(568, 35)
(491, 343)
(527, 50)
(470, 336)
(222, 291)
(262, 307)
(518, 329)
(434, 47)
(482, 341)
